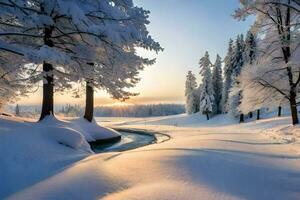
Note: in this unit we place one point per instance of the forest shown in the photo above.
(261, 69)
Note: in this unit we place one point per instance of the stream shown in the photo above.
(130, 140)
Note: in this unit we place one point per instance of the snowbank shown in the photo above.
(31, 152)
(92, 131)
(284, 133)
(63, 133)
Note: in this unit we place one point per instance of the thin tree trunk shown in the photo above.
(250, 114)
(207, 116)
(48, 92)
(286, 50)
(279, 111)
(48, 89)
(258, 114)
(89, 102)
(293, 107)
(242, 118)
(292, 99)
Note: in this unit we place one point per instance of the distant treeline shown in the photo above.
(139, 110)
(146, 110)
(76, 110)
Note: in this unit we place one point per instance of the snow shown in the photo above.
(92, 131)
(32, 151)
(215, 159)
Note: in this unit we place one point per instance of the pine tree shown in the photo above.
(197, 91)
(250, 52)
(228, 68)
(206, 101)
(250, 55)
(238, 63)
(217, 81)
(190, 93)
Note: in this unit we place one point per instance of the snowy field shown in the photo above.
(216, 159)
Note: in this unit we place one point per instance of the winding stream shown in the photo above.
(130, 140)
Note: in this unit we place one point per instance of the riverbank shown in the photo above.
(130, 139)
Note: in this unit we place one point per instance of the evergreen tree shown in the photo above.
(206, 101)
(227, 76)
(197, 91)
(250, 48)
(238, 63)
(217, 81)
(190, 93)
(250, 54)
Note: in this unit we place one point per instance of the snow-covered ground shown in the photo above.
(216, 159)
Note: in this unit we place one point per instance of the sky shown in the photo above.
(185, 29)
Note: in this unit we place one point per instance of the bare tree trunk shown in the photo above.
(258, 114)
(250, 114)
(242, 118)
(89, 102)
(292, 99)
(48, 89)
(207, 116)
(293, 107)
(287, 53)
(279, 111)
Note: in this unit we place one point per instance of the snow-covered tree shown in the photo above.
(255, 95)
(197, 91)
(190, 93)
(228, 68)
(206, 101)
(13, 82)
(278, 23)
(235, 95)
(250, 54)
(217, 80)
(58, 35)
(116, 75)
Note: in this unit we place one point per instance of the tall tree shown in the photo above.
(206, 91)
(279, 23)
(228, 68)
(56, 34)
(238, 63)
(190, 93)
(250, 54)
(116, 74)
(217, 81)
